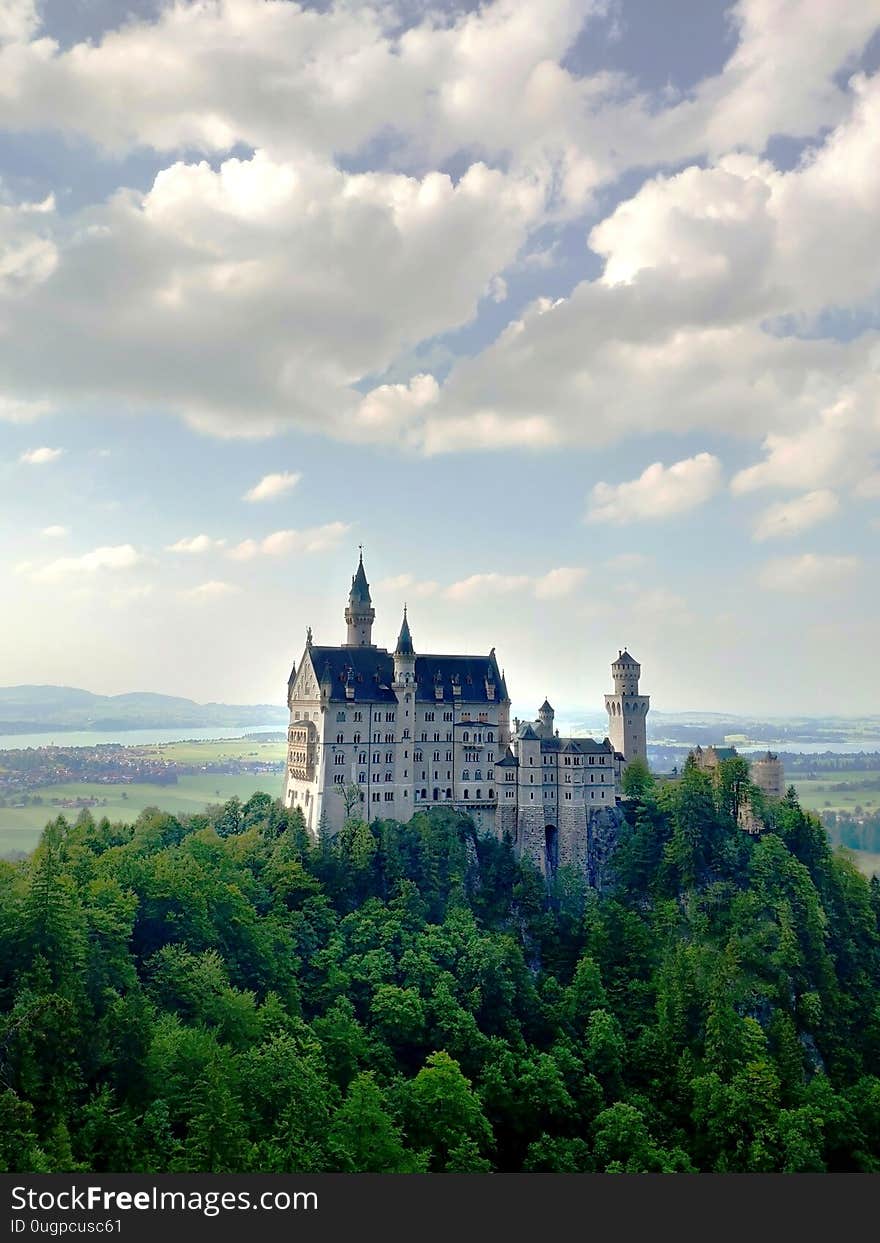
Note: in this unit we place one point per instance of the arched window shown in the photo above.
(466, 775)
(449, 794)
(490, 737)
(467, 793)
(340, 737)
(479, 794)
(436, 795)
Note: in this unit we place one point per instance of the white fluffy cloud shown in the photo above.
(196, 544)
(659, 492)
(552, 585)
(283, 543)
(808, 572)
(55, 531)
(272, 486)
(40, 457)
(788, 518)
(325, 275)
(108, 558)
(214, 589)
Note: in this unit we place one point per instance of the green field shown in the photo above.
(862, 789)
(217, 752)
(20, 827)
(867, 862)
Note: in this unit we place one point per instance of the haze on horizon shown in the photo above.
(571, 321)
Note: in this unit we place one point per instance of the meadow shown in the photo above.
(20, 827)
(842, 791)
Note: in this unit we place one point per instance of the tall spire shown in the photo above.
(360, 588)
(404, 639)
(359, 613)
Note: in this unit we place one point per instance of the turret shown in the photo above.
(626, 671)
(359, 613)
(545, 716)
(404, 656)
(627, 709)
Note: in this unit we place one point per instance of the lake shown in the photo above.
(130, 737)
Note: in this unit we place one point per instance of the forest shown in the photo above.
(216, 992)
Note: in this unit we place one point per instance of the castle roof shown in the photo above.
(370, 670)
(545, 706)
(624, 658)
(508, 761)
(575, 746)
(526, 732)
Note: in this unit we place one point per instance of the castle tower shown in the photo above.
(545, 716)
(359, 613)
(404, 656)
(627, 709)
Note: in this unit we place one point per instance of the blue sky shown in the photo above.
(568, 313)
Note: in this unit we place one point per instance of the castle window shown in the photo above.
(389, 738)
(424, 793)
(478, 774)
(436, 795)
(467, 793)
(356, 738)
(340, 716)
(359, 716)
(490, 757)
(406, 733)
(490, 737)
(466, 774)
(491, 794)
(389, 776)
(568, 794)
(389, 796)
(362, 776)
(340, 737)
(429, 716)
(377, 797)
(377, 736)
(436, 755)
(389, 716)
(448, 756)
(389, 757)
(479, 794)
(449, 793)
(466, 736)
(509, 793)
(417, 755)
(447, 716)
(296, 716)
(376, 757)
(338, 779)
(339, 759)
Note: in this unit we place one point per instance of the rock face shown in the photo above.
(603, 834)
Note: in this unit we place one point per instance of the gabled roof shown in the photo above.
(508, 760)
(527, 733)
(624, 658)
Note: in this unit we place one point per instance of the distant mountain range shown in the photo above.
(36, 709)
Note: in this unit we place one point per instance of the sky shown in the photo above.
(568, 312)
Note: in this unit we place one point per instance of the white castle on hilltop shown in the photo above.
(399, 731)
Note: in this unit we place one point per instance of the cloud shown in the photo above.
(107, 559)
(39, 457)
(282, 543)
(556, 584)
(409, 584)
(196, 544)
(55, 532)
(553, 585)
(787, 518)
(808, 572)
(214, 589)
(271, 486)
(659, 491)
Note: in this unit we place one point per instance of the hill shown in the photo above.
(36, 709)
(216, 993)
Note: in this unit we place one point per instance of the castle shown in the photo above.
(397, 731)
